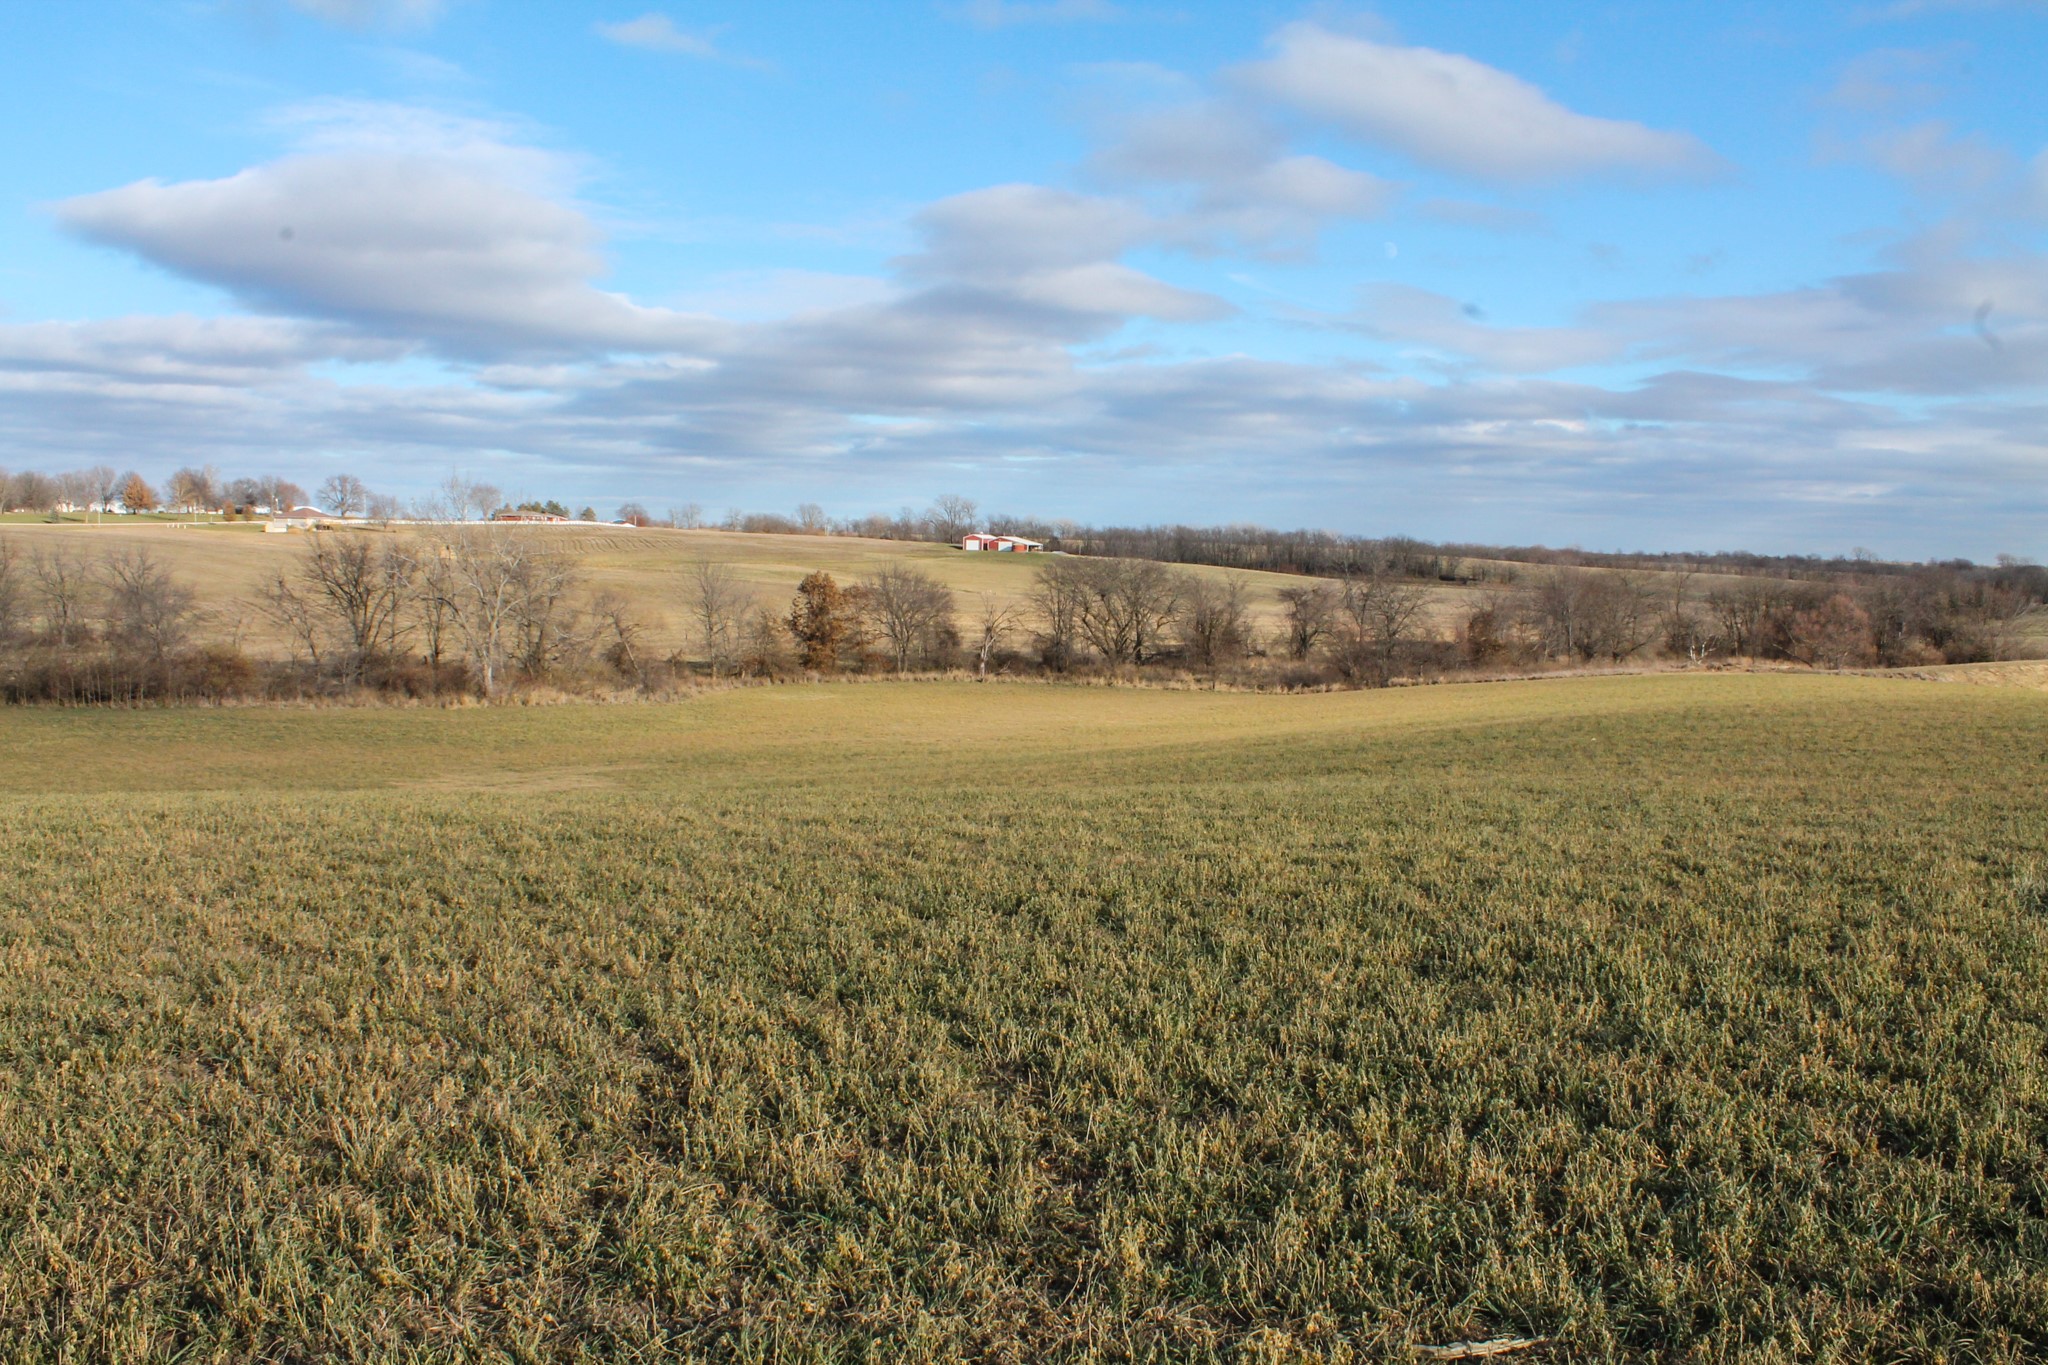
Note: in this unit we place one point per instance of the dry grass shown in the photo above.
(2024, 673)
(228, 564)
(1688, 1018)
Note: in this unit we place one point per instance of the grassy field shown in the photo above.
(103, 520)
(1669, 1018)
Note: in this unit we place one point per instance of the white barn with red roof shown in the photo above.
(982, 540)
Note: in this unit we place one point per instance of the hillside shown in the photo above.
(228, 564)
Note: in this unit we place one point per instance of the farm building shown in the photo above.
(545, 517)
(302, 519)
(982, 540)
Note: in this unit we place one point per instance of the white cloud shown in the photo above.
(1048, 249)
(1186, 143)
(658, 33)
(184, 350)
(1236, 185)
(1417, 317)
(1117, 291)
(1012, 229)
(972, 394)
(452, 241)
(1453, 113)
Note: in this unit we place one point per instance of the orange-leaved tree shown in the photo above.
(820, 620)
(137, 495)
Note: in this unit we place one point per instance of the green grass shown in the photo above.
(1686, 1018)
(109, 519)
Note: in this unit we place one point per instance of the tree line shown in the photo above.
(204, 490)
(1080, 615)
(483, 609)
(469, 609)
(950, 516)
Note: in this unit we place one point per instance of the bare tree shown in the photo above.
(1212, 619)
(622, 629)
(718, 603)
(764, 643)
(1056, 601)
(505, 590)
(195, 490)
(146, 610)
(30, 491)
(10, 591)
(1624, 616)
(811, 518)
(912, 612)
(75, 487)
(1742, 615)
(433, 602)
(992, 627)
(1381, 615)
(634, 514)
(1691, 633)
(102, 482)
(1589, 614)
(547, 631)
(688, 517)
(1311, 611)
(460, 499)
(482, 501)
(486, 570)
(344, 495)
(2007, 610)
(1126, 605)
(64, 589)
(951, 516)
(361, 586)
(297, 614)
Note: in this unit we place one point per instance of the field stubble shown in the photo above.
(1679, 1018)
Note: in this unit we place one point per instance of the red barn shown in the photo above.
(982, 540)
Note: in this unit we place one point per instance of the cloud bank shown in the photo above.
(419, 290)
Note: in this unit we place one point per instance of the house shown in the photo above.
(982, 540)
(543, 517)
(302, 519)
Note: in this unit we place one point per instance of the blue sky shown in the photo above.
(1619, 275)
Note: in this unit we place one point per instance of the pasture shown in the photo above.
(1664, 1018)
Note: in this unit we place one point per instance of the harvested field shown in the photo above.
(1698, 1018)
